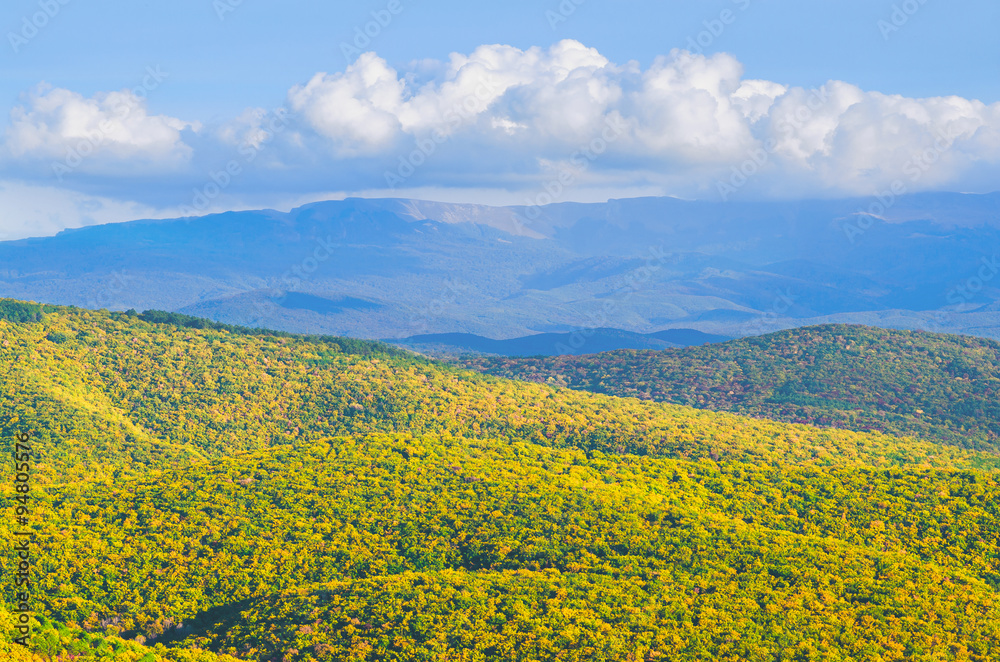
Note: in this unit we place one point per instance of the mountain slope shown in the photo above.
(933, 386)
(555, 344)
(399, 268)
(147, 393)
(322, 499)
(396, 547)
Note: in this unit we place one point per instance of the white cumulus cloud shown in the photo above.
(108, 129)
(358, 110)
(520, 121)
(685, 113)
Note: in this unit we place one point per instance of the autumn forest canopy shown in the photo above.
(938, 387)
(205, 492)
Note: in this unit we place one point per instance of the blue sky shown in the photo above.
(220, 66)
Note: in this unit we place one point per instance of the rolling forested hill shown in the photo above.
(933, 386)
(207, 492)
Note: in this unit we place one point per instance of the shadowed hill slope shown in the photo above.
(934, 386)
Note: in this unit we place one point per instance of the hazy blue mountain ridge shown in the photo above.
(402, 268)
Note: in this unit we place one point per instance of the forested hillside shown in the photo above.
(209, 492)
(933, 386)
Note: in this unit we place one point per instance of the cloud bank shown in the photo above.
(541, 124)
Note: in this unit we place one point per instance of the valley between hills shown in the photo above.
(205, 492)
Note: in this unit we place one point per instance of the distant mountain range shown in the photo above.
(404, 268)
(555, 344)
